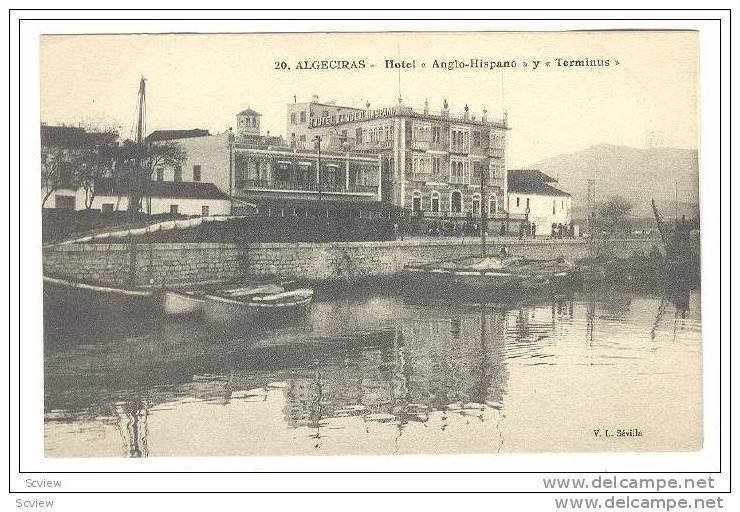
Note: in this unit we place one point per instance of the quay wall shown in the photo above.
(175, 264)
(171, 264)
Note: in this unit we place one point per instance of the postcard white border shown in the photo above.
(714, 168)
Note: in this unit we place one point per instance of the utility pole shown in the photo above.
(675, 184)
(318, 168)
(231, 167)
(483, 218)
(591, 206)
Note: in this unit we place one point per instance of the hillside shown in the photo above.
(634, 173)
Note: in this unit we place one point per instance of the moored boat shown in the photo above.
(508, 274)
(176, 303)
(81, 296)
(251, 303)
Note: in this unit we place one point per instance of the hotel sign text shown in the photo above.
(348, 117)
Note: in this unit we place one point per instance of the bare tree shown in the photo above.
(95, 160)
(52, 160)
(135, 167)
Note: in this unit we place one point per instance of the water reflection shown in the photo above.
(355, 376)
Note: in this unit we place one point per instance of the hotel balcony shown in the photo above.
(420, 145)
(308, 189)
(496, 152)
(459, 148)
(374, 146)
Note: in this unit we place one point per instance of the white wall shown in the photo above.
(211, 153)
(158, 204)
(540, 210)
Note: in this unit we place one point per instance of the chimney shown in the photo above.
(484, 118)
(426, 107)
(466, 115)
(314, 98)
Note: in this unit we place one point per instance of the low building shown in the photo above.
(179, 198)
(531, 194)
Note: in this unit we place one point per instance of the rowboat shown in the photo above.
(249, 303)
(76, 295)
(507, 274)
(176, 303)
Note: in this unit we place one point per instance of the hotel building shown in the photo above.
(431, 163)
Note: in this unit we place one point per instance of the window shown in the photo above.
(204, 210)
(493, 204)
(303, 116)
(435, 202)
(178, 173)
(196, 173)
(553, 207)
(456, 202)
(160, 174)
(517, 202)
(476, 204)
(553, 204)
(435, 134)
(476, 139)
(292, 118)
(106, 207)
(435, 165)
(64, 202)
(416, 201)
(326, 113)
(173, 209)
(358, 135)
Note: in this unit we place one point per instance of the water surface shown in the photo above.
(378, 373)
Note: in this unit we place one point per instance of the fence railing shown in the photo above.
(308, 186)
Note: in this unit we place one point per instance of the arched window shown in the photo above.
(434, 202)
(456, 201)
(492, 204)
(416, 201)
(476, 204)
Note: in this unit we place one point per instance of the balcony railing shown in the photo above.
(459, 148)
(496, 152)
(310, 186)
(380, 144)
(420, 145)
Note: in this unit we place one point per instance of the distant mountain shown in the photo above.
(638, 175)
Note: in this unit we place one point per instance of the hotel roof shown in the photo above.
(162, 135)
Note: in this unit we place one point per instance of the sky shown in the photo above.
(203, 80)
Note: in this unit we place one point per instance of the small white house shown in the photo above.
(183, 198)
(532, 195)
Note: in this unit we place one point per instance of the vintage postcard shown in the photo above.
(370, 243)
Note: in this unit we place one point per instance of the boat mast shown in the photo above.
(136, 181)
(136, 189)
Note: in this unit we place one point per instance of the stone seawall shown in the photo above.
(184, 263)
(356, 260)
(168, 263)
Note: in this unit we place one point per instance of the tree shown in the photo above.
(95, 160)
(135, 167)
(612, 216)
(52, 161)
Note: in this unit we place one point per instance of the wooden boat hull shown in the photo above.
(180, 304)
(218, 309)
(71, 296)
(487, 283)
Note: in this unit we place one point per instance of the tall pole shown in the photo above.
(483, 219)
(675, 183)
(318, 169)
